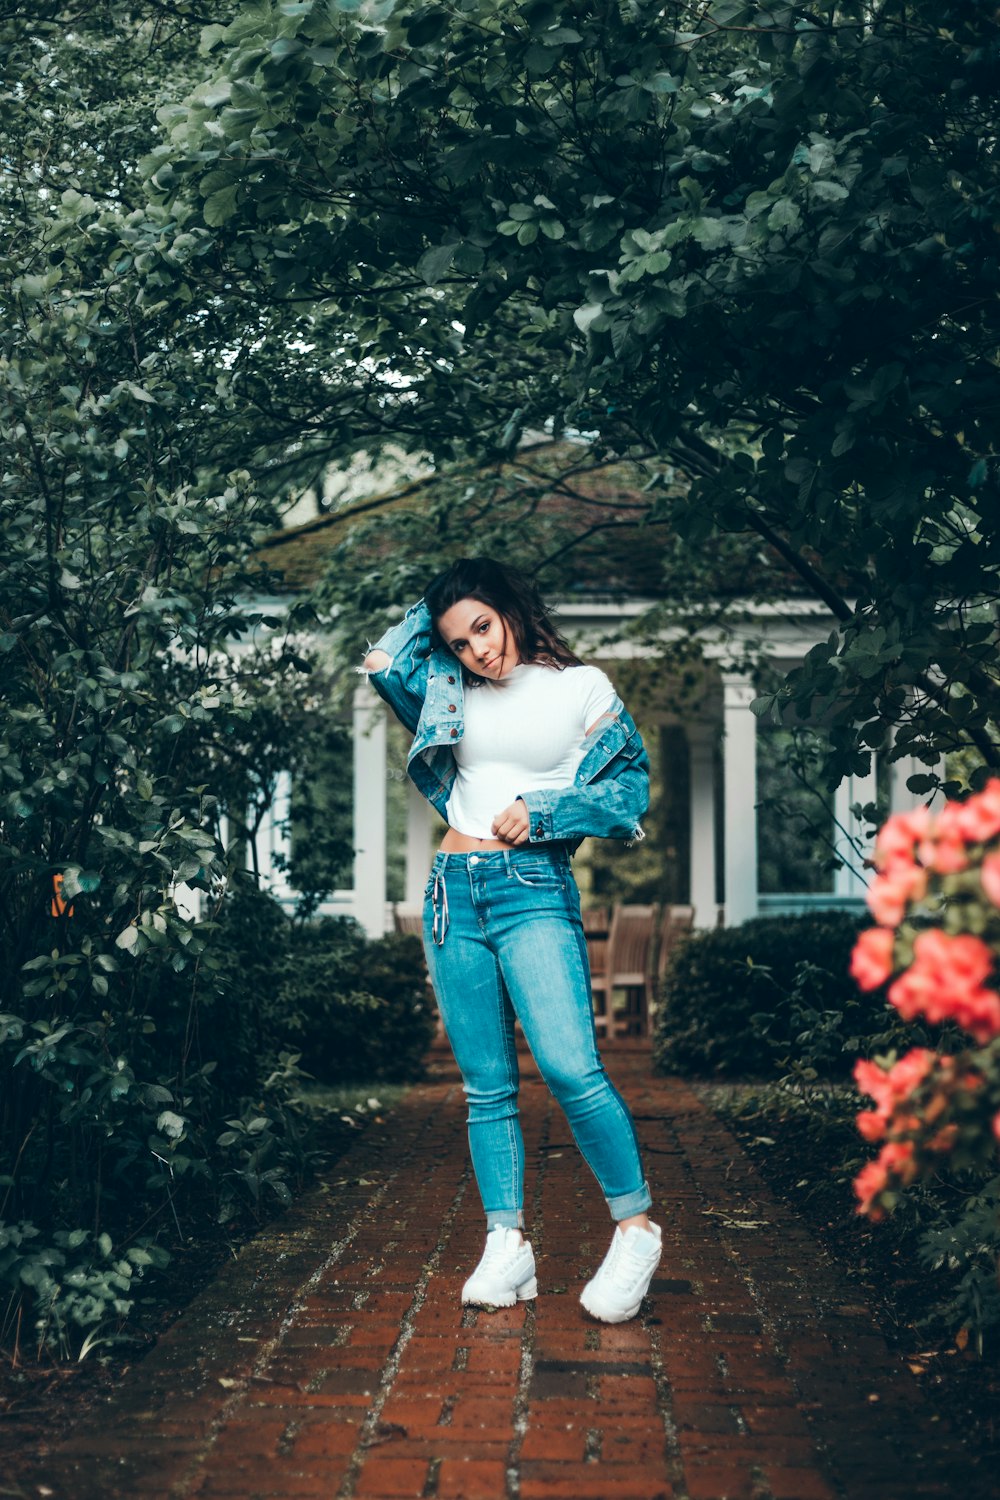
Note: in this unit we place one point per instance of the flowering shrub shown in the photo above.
(936, 898)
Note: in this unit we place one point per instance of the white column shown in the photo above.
(418, 844)
(701, 762)
(740, 789)
(274, 839)
(369, 811)
(263, 845)
(850, 842)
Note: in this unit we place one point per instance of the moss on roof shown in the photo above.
(591, 526)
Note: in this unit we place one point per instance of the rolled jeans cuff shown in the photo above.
(628, 1204)
(504, 1218)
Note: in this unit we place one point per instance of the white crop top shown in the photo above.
(523, 733)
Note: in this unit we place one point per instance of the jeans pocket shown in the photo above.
(538, 876)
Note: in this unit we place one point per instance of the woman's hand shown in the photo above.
(511, 825)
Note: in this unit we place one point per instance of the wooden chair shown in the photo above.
(408, 921)
(675, 925)
(631, 955)
(595, 919)
(629, 968)
(596, 930)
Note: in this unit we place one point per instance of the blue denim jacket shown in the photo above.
(423, 686)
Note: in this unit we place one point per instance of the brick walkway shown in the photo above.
(333, 1360)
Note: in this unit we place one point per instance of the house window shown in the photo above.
(795, 822)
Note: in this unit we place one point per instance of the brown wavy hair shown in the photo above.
(515, 599)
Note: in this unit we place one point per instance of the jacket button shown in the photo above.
(539, 831)
(454, 734)
(451, 708)
(451, 679)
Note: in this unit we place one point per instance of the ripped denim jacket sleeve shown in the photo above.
(403, 681)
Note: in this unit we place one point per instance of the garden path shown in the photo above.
(332, 1358)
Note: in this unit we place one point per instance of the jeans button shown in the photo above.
(473, 859)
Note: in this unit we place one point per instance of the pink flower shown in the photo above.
(891, 892)
(894, 1159)
(924, 1102)
(963, 960)
(943, 849)
(979, 817)
(979, 1015)
(905, 1075)
(990, 877)
(868, 1184)
(897, 1156)
(899, 834)
(871, 1124)
(945, 983)
(887, 1085)
(890, 1088)
(900, 879)
(872, 1080)
(914, 993)
(871, 961)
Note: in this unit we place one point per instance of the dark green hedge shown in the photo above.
(183, 1108)
(772, 993)
(356, 1009)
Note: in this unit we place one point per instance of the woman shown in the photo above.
(524, 751)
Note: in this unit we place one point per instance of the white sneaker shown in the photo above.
(614, 1294)
(506, 1273)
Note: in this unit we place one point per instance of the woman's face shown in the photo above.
(480, 638)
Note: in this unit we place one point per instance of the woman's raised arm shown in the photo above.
(398, 664)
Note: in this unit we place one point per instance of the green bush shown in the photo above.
(775, 991)
(358, 1009)
(233, 1015)
(352, 1008)
(182, 1107)
(77, 1281)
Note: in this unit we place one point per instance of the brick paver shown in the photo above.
(333, 1359)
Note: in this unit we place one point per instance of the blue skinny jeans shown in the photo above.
(504, 940)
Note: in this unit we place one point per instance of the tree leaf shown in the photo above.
(434, 263)
(784, 215)
(584, 317)
(170, 1124)
(140, 393)
(220, 205)
(285, 46)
